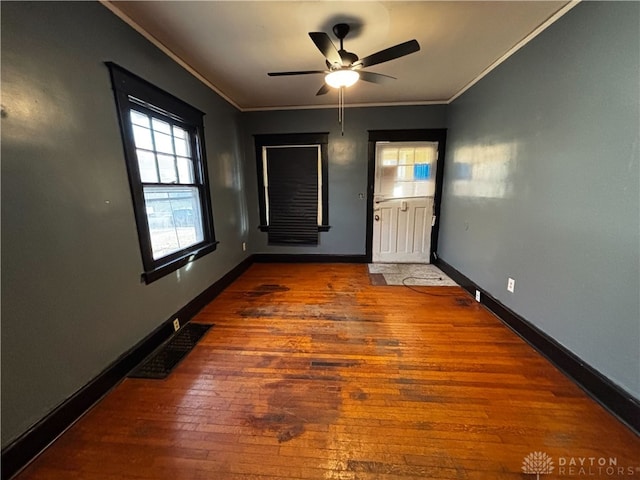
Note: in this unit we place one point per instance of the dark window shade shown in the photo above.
(292, 164)
(293, 195)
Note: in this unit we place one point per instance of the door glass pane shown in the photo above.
(427, 154)
(389, 156)
(405, 156)
(174, 217)
(387, 181)
(422, 171)
(405, 173)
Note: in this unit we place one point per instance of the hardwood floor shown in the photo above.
(312, 373)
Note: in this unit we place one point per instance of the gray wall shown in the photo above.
(348, 156)
(552, 137)
(72, 300)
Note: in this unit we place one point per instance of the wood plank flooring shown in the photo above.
(312, 373)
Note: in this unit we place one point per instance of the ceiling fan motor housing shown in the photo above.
(348, 58)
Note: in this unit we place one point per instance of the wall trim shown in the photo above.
(616, 400)
(18, 454)
(307, 258)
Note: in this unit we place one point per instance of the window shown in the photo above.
(164, 150)
(407, 168)
(293, 187)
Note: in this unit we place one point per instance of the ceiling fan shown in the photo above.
(345, 68)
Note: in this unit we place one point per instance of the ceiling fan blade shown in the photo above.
(324, 89)
(376, 77)
(302, 72)
(390, 53)
(326, 46)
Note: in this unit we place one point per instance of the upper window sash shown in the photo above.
(176, 146)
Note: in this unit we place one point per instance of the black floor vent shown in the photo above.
(163, 360)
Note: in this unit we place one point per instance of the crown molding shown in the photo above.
(111, 6)
(543, 26)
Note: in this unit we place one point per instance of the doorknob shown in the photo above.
(377, 218)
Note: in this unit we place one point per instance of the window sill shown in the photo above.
(165, 269)
(321, 228)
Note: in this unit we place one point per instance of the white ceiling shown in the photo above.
(231, 45)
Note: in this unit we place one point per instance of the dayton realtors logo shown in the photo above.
(539, 463)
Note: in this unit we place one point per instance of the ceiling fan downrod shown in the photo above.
(341, 30)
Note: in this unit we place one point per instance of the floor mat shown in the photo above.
(166, 357)
(409, 274)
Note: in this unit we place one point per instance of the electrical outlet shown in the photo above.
(477, 295)
(511, 285)
(244, 246)
(176, 325)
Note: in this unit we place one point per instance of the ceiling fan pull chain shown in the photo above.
(342, 123)
(339, 112)
(341, 109)
(340, 105)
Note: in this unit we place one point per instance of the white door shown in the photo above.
(403, 205)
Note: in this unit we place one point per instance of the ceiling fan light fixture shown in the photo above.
(341, 78)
